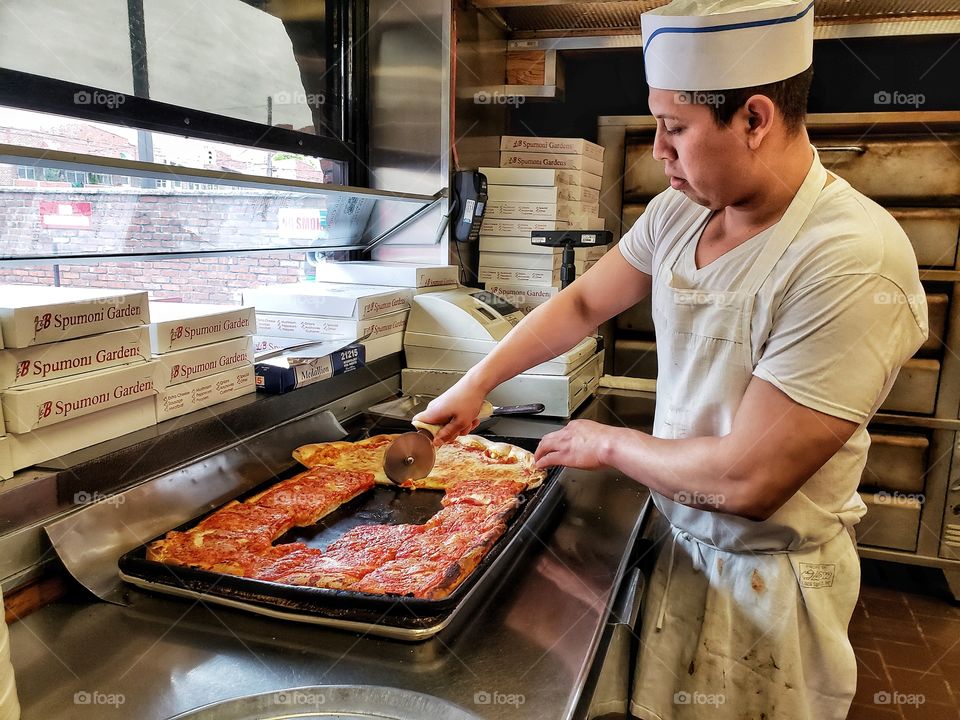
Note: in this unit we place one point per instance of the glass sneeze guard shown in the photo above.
(127, 210)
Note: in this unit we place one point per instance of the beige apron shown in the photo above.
(743, 619)
(9, 707)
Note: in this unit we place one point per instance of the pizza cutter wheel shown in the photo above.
(411, 456)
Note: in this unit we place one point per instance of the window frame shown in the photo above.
(27, 91)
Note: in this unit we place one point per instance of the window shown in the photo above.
(198, 121)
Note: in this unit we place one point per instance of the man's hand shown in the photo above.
(580, 444)
(455, 411)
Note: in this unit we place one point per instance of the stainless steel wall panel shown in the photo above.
(890, 169)
(409, 134)
(643, 177)
(915, 390)
(933, 232)
(891, 522)
(631, 213)
(635, 358)
(937, 304)
(896, 462)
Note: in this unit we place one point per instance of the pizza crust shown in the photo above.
(340, 454)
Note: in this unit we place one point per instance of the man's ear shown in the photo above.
(760, 111)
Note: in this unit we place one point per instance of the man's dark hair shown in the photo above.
(790, 96)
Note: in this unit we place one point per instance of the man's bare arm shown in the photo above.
(608, 288)
(775, 446)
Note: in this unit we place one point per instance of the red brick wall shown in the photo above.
(143, 222)
(213, 280)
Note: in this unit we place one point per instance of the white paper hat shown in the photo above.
(726, 44)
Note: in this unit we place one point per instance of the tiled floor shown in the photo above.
(906, 633)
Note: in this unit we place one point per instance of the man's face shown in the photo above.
(704, 161)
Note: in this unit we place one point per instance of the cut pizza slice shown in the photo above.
(369, 546)
(268, 523)
(419, 579)
(302, 565)
(312, 495)
(363, 455)
(477, 518)
(481, 491)
(225, 551)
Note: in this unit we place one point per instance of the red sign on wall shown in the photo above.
(72, 215)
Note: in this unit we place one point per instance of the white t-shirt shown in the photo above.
(841, 311)
(839, 314)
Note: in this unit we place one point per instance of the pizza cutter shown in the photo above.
(411, 456)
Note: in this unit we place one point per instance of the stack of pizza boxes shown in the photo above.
(75, 371)
(204, 352)
(374, 325)
(542, 184)
(310, 331)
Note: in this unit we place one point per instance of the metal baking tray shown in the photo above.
(391, 616)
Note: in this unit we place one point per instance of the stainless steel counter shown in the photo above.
(524, 654)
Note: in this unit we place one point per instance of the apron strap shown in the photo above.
(788, 227)
(666, 587)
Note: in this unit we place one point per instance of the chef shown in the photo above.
(9, 707)
(785, 303)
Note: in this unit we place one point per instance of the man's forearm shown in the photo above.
(698, 472)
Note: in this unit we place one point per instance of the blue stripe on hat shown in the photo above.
(731, 26)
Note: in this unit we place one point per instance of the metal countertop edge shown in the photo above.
(618, 580)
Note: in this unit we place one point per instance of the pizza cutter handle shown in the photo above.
(486, 410)
(531, 409)
(432, 429)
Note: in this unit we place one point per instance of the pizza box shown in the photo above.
(513, 228)
(525, 261)
(341, 300)
(284, 373)
(555, 161)
(46, 443)
(388, 274)
(524, 297)
(488, 274)
(519, 193)
(184, 366)
(543, 177)
(33, 315)
(375, 348)
(579, 178)
(202, 392)
(177, 326)
(6, 460)
(563, 210)
(316, 327)
(522, 246)
(561, 395)
(443, 352)
(578, 193)
(382, 346)
(557, 146)
(268, 344)
(48, 403)
(520, 177)
(581, 222)
(40, 363)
